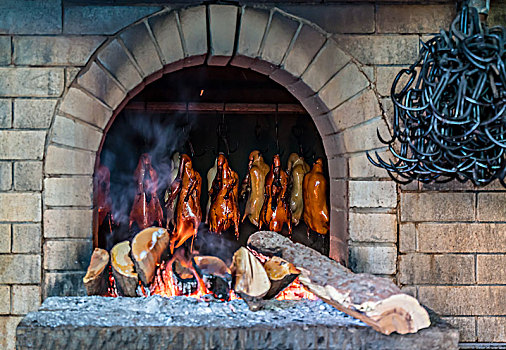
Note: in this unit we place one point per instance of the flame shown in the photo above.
(296, 291)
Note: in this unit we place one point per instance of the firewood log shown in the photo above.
(96, 280)
(186, 282)
(215, 274)
(148, 248)
(281, 273)
(251, 280)
(126, 278)
(374, 300)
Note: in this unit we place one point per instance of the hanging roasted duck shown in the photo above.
(146, 210)
(276, 208)
(224, 211)
(316, 211)
(187, 186)
(253, 186)
(211, 174)
(172, 176)
(104, 206)
(297, 168)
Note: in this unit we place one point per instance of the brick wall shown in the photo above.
(446, 244)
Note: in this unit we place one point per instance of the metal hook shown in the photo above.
(258, 130)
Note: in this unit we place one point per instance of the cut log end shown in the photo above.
(281, 273)
(250, 276)
(96, 279)
(148, 248)
(215, 274)
(126, 278)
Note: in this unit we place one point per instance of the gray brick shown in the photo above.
(222, 25)
(278, 38)
(70, 74)
(360, 167)
(497, 14)
(26, 238)
(194, 33)
(20, 207)
(115, 59)
(369, 227)
(306, 46)
(327, 62)
(68, 223)
(101, 85)
(380, 49)
(365, 137)
(492, 206)
(337, 18)
(74, 191)
(33, 113)
(139, 43)
(492, 329)
(414, 18)
(407, 238)
(64, 161)
(35, 82)
(356, 110)
(42, 17)
(434, 206)
(436, 269)
(5, 113)
(21, 144)
(19, 269)
(75, 134)
(253, 26)
(54, 50)
(28, 176)
(64, 284)
(375, 260)
(166, 33)
(464, 300)
(466, 326)
(5, 238)
(67, 255)
(5, 300)
(8, 326)
(5, 176)
(80, 105)
(102, 19)
(5, 50)
(372, 194)
(461, 238)
(491, 269)
(25, 299)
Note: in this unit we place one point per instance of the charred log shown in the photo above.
(123, 271)
(184, 279)
(215, 274)
(281, 273)
(374, 300)
(148, 248)
(96, 280)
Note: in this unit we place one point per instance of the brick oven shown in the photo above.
(71, 70)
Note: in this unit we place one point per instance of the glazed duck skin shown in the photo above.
(254, 184)
(186, 188)
(276, 209)
(211, 174)
(224, 210)
(146, 209)
(172, 176)
(297, 169)
(316, 211)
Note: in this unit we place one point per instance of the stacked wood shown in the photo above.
(123, 271)
(148, 249)
(215, 274)
(251, 280)
(281, 273)
(374, 300)
(96, 279)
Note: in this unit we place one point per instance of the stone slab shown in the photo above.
(186, 323)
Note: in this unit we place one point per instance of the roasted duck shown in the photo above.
(187, 186)
(146, 210)
(224, 209)
(254, 186)
(276, 208)
(316, 211)
(211, 174)
(172, 176)
(296, 169)
(102, 192)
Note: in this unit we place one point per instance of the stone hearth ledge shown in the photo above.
(186, 323)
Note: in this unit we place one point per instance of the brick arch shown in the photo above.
(328, 82)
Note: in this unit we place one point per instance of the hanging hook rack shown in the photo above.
(222, 132)
(189, 144)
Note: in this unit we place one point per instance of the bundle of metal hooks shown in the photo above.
(449, 118)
